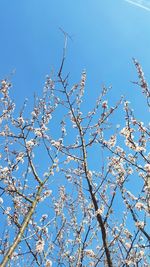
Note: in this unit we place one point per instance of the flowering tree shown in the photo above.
(57, 208)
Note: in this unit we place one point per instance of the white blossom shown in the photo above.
(48, 263)
(40, 246)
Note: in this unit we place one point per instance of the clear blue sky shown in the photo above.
(106, 35)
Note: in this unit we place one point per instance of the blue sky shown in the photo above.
(106, 35)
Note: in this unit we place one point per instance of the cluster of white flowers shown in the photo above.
(111, 142)
(35, 113)
(4, 172)
(46, 194)
(89, 253)
(62, 193)
(119, 150)
(40, 246)
(56, 144)
(116, 167)
(72, 259)
(127, 233)
(139, 224)
(139, 206)
(131, 158)
(90, 174)
(131, 196)
(69, 158)
(73, 89)
(20, 120)
(129, 170)
(30, 144)
(147, 168)
(20, 157)
(127, 132)
(141, 254)
(48, 263)
(38, 132)
(143, 82)
(14, 256)
(128, 245)
(82, 83)
(58, 205)
(2, 133)
(49, 84)
(4, 87)
(100, 210)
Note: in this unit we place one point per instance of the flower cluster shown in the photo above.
(40, 246)
(143, 82)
